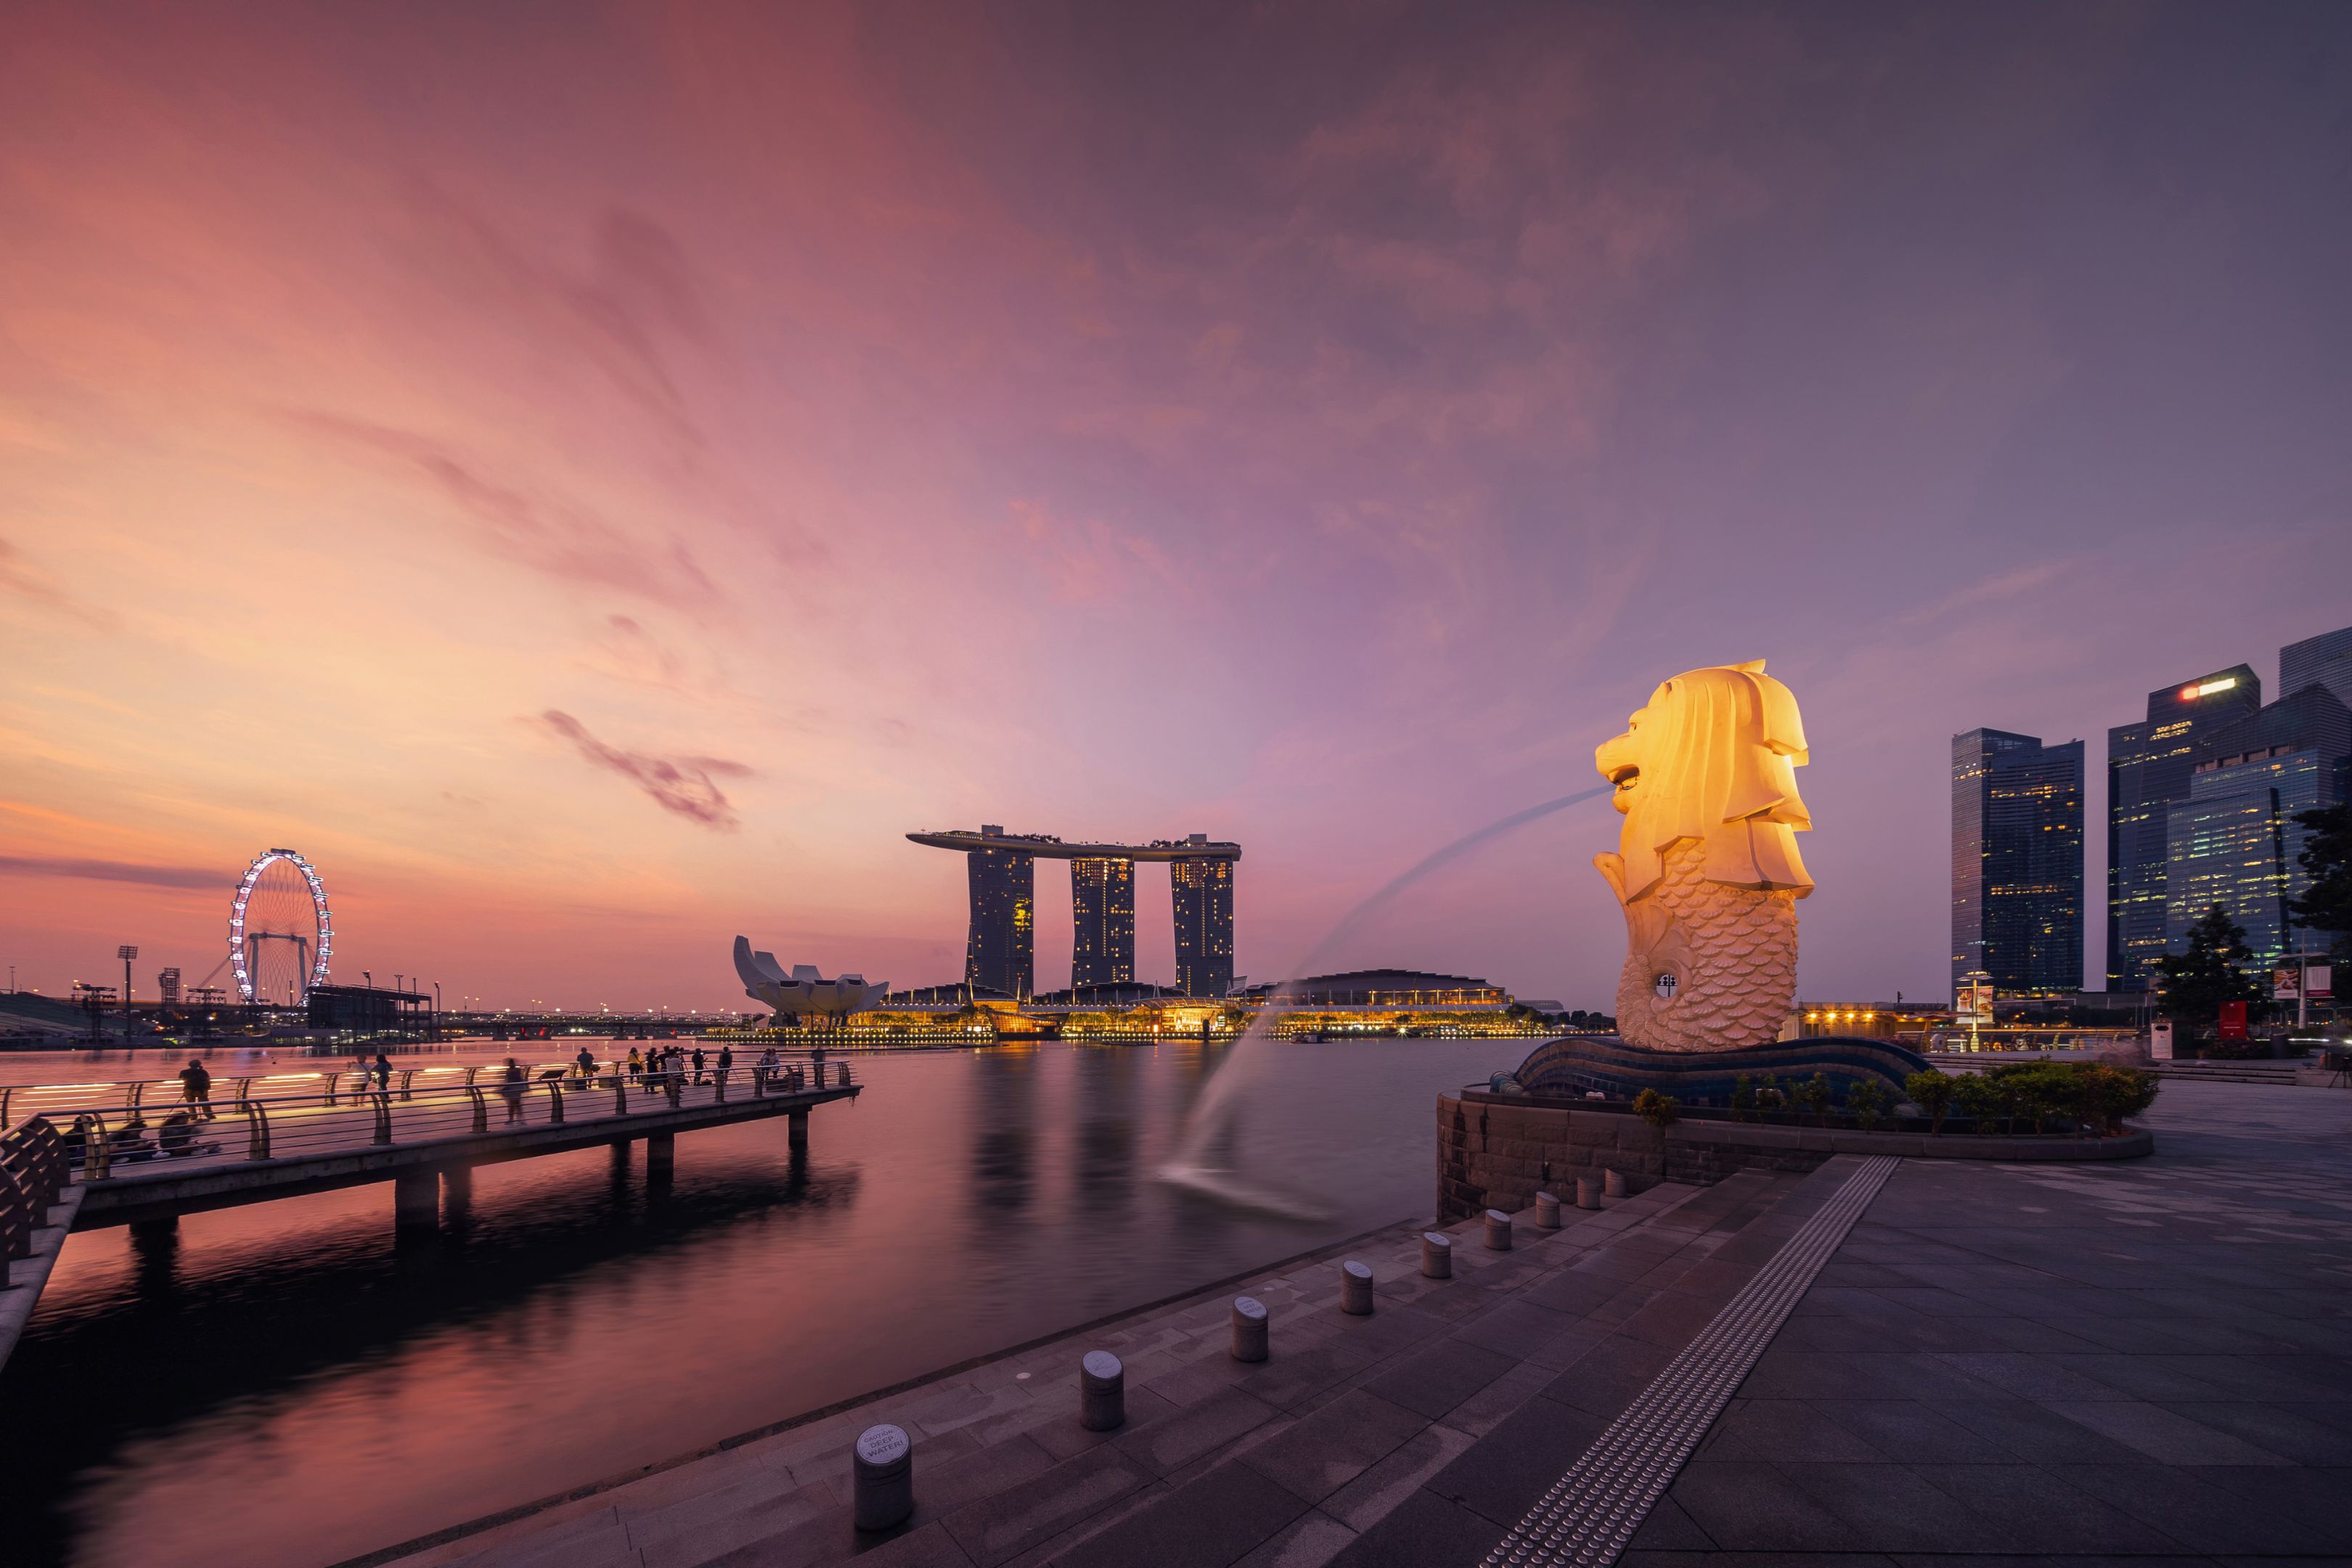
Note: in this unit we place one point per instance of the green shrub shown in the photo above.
(2110, 1093)
(1866, 1099)
(1657, 1110)
(1814, 1094)
(1743, 1097)
(1931, 1091)
(1976, 1096)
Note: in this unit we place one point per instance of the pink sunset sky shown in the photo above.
(592, 479)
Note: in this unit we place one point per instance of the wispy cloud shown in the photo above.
(115, 871)
(563, 541)
(22, 578)
(686, 786)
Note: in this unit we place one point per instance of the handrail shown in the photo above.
(105, 1136)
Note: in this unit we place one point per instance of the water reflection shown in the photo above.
(1102, 1164)
(1005, 1136)
(281, 1384)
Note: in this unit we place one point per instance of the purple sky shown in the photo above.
(592, 482)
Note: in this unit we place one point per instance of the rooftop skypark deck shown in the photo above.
(1045, 846)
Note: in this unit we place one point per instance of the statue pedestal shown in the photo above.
(1575, 1068)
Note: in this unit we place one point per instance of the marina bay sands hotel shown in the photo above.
(999, 953)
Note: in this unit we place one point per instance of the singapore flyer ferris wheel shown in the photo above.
(280, 934)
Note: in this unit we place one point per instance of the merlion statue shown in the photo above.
(1707, 864)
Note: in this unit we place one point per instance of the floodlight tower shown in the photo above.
(126, 952)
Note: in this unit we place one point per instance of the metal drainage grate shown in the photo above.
(1590, 1513)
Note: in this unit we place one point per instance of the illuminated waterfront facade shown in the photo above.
(1102, 918)
(1204, 926)
(2148, 768)
(2017, 862)
(1102, 906)
(999, 952)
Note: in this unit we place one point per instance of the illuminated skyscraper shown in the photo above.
(1000, 950)
(1102, 915)
(2017, 862)
(1204, 924)
(2149, 766)
(2234, 841)
(999, 953)
(2324, 660)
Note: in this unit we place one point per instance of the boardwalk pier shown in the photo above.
(138, 1154)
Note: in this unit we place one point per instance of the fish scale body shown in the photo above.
(1736, 953)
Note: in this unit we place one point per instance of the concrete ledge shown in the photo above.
(1497, 1151)
(26, 1276)
(119, 1200)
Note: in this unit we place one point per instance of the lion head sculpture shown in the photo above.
(1707, 864)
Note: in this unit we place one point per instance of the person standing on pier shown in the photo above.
(382, 1071)
(587, 1061)
(636, 1067)
(196, 1087)
(698, 1064)
(511, 1087)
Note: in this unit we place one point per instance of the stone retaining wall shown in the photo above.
(1499, 1150)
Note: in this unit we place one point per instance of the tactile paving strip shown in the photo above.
(1589, 1513)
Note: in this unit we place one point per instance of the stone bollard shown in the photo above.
(1588, 1193)
(1436, 1255)
(1355, 1289)
(1546, 1211)
(1498, 1231)
(1613, 1184)
(883, 1465)
(1249, 1329)
(1102, 1392)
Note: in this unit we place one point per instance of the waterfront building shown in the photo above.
(2017, 861)
(2148, 768)
(1102, 916)
(1380, 990)
(1204, 926)
(2234, 841)
(2324, 660)
(999, 944)
(1102, 906)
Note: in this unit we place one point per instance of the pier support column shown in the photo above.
(415, 1201)
(458, 1190)
(661, 1154)
(796, 1132)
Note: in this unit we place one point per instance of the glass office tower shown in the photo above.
(1102, 917)
(2234, 841)
(2149, 766)
(2324, 660)
(1203, 892)
(2017, 862)
(1000, 950)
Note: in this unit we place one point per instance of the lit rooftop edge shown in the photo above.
(1045, 848)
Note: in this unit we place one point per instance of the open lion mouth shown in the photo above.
(1626, 777)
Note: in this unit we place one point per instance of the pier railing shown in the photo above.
(149, 1124)
(34, 1169)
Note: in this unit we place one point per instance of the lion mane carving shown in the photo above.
(1707, 864)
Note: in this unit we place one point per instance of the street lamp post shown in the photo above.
(126, 952)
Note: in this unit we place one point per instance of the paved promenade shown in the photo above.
(2005, 1363)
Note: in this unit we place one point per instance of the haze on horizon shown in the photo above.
(593, 480)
